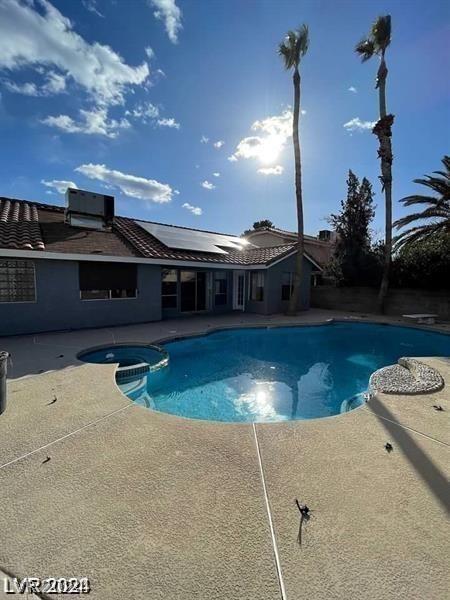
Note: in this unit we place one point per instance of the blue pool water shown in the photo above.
(267, 374)
(275, 374)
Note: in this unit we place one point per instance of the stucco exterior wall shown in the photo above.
(58, 305)
(272, 303)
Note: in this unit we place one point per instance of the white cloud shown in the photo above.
(93, 122)
(275, 131)
(91, 6)
(208, 185)
(278, 170)
(130, 185)
(195, 210)
(60, 185)
(169, 123)
(34, 34)
(149, 113)
(216, 174)
(218, 144)
(168, 11)
(27, 89)
(353, 89)
(204, 139)
(54, 83)
(357, 125)
(146, 111)
(150, 52)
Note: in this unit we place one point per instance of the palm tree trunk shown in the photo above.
(383, 130)
(293, 303)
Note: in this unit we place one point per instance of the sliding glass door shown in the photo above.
(193, 291)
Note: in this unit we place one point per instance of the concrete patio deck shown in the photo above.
(152, 506)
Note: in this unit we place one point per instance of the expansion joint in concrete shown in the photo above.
(269, 517)
(60, 439)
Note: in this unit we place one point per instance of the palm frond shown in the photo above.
(294, 46)
(365, 48)
(381, 33)
(437, 209)
(416, 199)
(446, 163)
(441, 186)
(285, 52)
(415, 234)
(426, 214)
(303, 39)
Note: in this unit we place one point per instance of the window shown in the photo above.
(220, 288)
(123, 293)
(17, 281)
(107, 281)
(287, 285)
(169, 287)
(94, 294)
(257, 286)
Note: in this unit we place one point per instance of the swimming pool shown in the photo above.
(277, 374)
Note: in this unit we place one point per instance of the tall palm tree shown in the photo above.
(437, 208)
(292, 49)
(376, 43)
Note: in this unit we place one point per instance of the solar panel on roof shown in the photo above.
(189, 239)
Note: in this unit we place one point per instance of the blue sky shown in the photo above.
(180, 108)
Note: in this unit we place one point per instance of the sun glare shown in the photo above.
(268, 151)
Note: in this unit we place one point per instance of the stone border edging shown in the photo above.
(408, 377)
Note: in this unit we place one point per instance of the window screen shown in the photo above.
(257, 286)
(169, 288)
(104, 281)
(287, 285)
(220, 288)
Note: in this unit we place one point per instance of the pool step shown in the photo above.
(352, 402)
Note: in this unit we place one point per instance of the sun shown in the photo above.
(269, 150)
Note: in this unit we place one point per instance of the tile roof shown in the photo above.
(320, 250)
(150, 247)
(282, 232)
(59, 236)
(35, 226)
(19, 225)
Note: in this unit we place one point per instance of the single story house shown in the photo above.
(83, 266)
